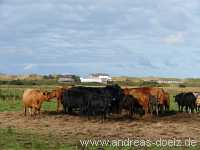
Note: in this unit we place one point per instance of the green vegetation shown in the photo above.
(39, 80)
(12, 105)
(11, 96)
(15, 139)
(24, 139)
(16, 105)
(29, 82)
(142, 148)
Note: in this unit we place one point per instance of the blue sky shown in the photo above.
(119, 37)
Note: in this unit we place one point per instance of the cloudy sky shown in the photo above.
(119, 37)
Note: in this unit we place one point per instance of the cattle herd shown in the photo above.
(112, 99)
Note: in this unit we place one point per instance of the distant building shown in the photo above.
(164, 80)
(98, 78)
(170, 81)
(66, 79)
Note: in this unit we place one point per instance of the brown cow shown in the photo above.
(143, 98)
(58, 94)
(158, 93)
(33, 99)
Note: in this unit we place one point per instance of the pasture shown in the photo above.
(54, 130)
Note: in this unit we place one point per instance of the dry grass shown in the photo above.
(70, 129)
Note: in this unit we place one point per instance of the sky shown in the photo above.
(119, 37)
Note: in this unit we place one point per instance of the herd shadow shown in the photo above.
(115, 117)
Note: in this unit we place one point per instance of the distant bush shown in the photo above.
(149, 84)
(92, 84)
(28, 82)
(76, 79)
(127, 83)
(182, 85)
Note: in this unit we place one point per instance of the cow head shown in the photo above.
(116, 96)
(52, 94)
(116, 92)
(126, 91)
(46, 95)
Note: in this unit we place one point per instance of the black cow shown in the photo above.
(92, 100)
(74, 98)
(187, 100)
(131, 104)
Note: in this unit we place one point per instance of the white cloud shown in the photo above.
(80, 35)
(177, 38)
(29, 66)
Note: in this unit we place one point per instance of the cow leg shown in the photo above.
(65, 109)
(181, 108)
(159, 108)
(103, 117)
(25, 111)
(151, 110)
(186, 109)
(156, 110)
(30, 111)
(167, 106)
(162, 108)
(192, 109)
(39, 112)
(130, 112)
(196, 108)
(58, 105)
(70, 110)
(88, 112)
(146, 112)
(34, 111)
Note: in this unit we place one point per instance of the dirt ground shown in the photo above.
(70, 129)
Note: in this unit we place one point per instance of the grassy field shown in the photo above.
(10, 96)
(14, 139)
(17, 139)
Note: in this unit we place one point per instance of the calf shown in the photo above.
(131, 104)
(153, 104)
(166, 101)
(143, 99)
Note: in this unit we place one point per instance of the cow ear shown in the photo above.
(44, 93)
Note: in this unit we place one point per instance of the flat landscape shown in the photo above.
(54, 130)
